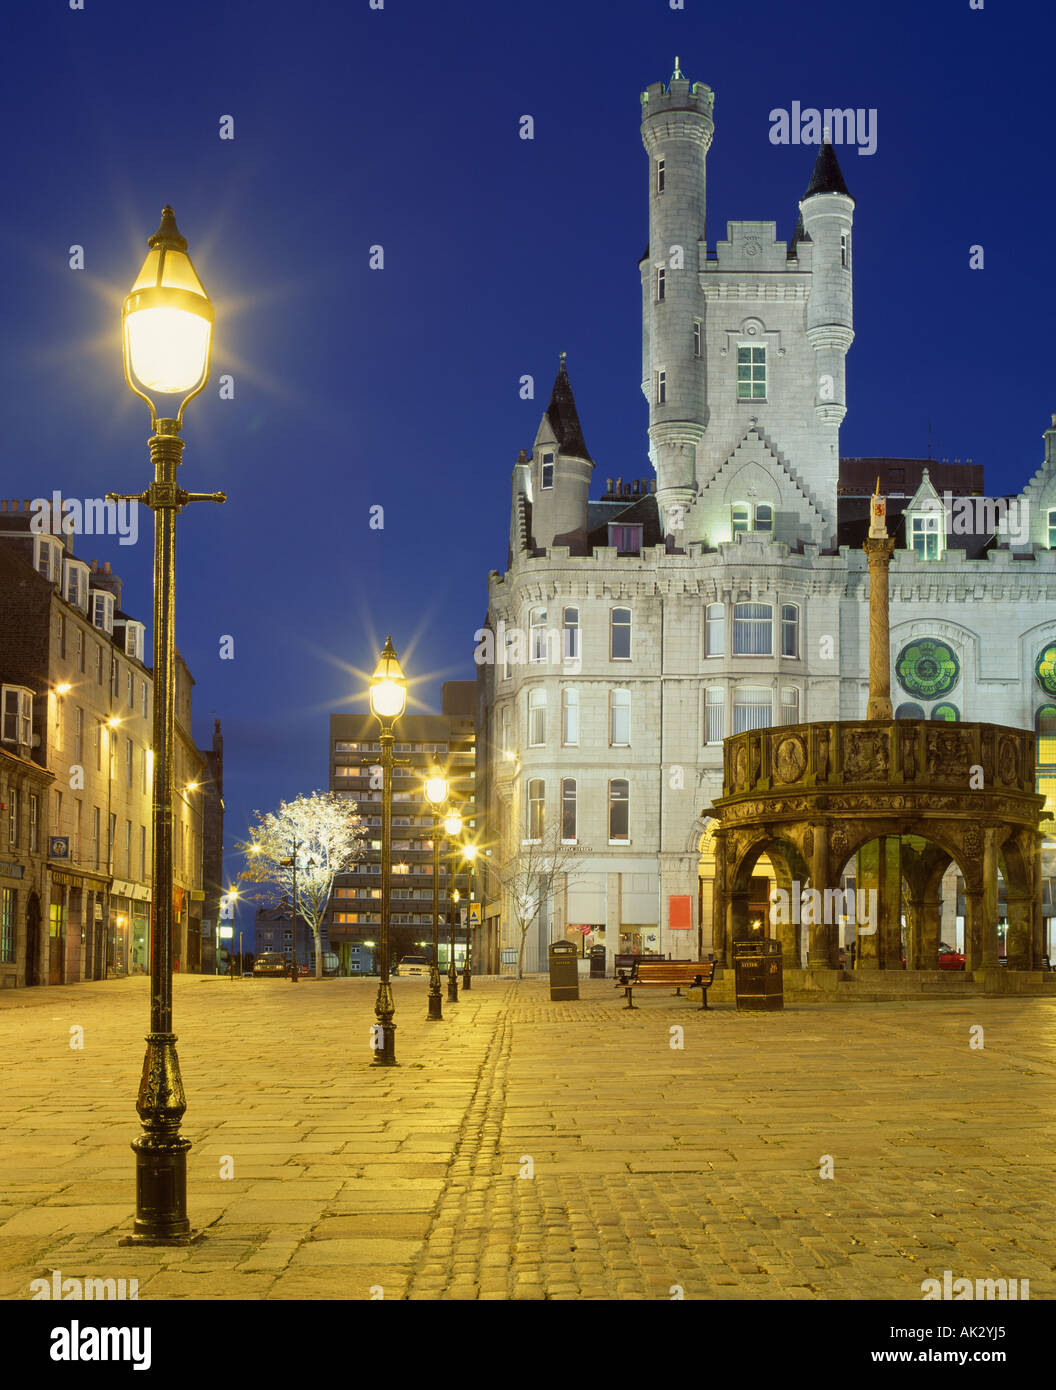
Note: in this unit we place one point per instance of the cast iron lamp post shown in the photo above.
(388, 700)
(167, 323)
(436, 789)
(469, 854)
(453, 828)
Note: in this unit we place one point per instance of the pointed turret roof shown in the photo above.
(563, 417)
(827, 176)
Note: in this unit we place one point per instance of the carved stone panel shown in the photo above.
(790, 759)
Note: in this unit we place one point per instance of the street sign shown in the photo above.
(58, 847)
(474, 914)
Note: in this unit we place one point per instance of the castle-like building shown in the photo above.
(630, 635)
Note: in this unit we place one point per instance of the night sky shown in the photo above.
(357, 387)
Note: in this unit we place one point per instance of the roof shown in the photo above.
(564, 418)
(827, 176)
(857, 477)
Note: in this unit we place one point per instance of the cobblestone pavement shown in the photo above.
(526, 1149)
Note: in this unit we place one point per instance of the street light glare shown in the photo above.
(167, 348)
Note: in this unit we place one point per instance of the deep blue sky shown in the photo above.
(356, 387)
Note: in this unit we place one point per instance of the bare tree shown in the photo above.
(528, 879)
(302, 846)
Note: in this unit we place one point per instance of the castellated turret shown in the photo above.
(557, 477)
(827, 210)
(677, 128)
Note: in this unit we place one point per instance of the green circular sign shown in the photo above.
(1045, 670)
(929, 669)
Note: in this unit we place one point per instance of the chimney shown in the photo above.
(522, 457)
(608, 486)
(619, 487)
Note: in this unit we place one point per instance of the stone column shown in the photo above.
(991, 959)
(737, 921)
(823, 946)
(973, 929)
(930, 935)
(867, 875)
(878, 552)
(889, 915)
(1018, 937)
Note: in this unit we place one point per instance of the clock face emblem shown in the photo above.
(927, 668)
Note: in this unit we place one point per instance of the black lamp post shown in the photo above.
(167, 323)
(388, 700)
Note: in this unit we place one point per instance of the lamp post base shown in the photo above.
(385, 1055)
(466, 978)
(161, 1193)
(436, 1011)
(452, 988)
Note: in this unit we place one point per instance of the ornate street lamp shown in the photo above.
(436, 789)
(453, 828)
(388, 700)
(469, 855)
(167, 329)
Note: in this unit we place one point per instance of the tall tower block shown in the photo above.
(677, 128)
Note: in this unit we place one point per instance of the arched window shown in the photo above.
(789, 629)
(535, 809)
(741, 512)
(715, 629)
(537, 634)
(568, 808)
(764, 517)
(620, 638)
(909, 710)
(620, 718)
(1045, 729)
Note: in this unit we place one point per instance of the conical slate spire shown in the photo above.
(563, 417)
(827, 176)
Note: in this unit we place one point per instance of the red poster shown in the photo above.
(680, 912)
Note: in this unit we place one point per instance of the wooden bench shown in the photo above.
(653, 974)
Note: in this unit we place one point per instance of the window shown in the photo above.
(537, 635)
(620, 718)
(536, 809)
(504, 737)
(14, 797)
(128, 849)
(570, 718)
(620, 634)
(78, 735)
(619, 810)
(47, 557)
(910, 710)
(790, 705)
(752, 708)
(98, 664)
(96, 846)
(131, 690)
(949, 713)
(536, 718)
(112, 842)
(571, 634)
(115, 677)
(741, 518)
(845, 250)
(548, 470)
(34, 823)
(661, 284)
(661, 388)
(1045, 728)
(1052, 528)
(714, 714)
(507, 655)
(128, 762)
(752, 629)
(7, 926)
(143, 698)
(75, 584)
(568, 808)
(789, 629)
(764, 518)
(746, 518)
(143, 772)
(134, 640)
(751, 373)
(143, 854)
(698, 338)
(78, 810)
(715, 629)
(58, 813)
(62, 636)
(102, 610)
(17, 714)
(97, 744)
(661, 172)
(626, 539)
(925, 535)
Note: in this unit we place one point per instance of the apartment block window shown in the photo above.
(698, 338)
(58, 812)
(661, 284)
(661, 172)
(115, 677)
(627, 540)
(97, 744)
(620, 718)
(537, 635)
(790, 705)
(715, 629)
(134, 640)
(714, 714)
(17, 720)
(789, 629)
(78, 735)
(753, 629)
(845, 250)
(619, 810)
(661, 388)
(504, 725)
(548, 470)
(7, 926)
(926, 534)
(536, 808)
(14, 798)
(752, 708)
(536, 718)
(128, 762)
(570, 717)
(143, 772)
(751, 373)
(571, 634)
(34, 823)
(568, 809)
(620, 634)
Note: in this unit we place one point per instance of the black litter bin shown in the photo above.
(758, 980)
(597, 962)
(564, 970)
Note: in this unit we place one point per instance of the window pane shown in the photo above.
(619, 811)
(568, 809)
(752, 708)
(715, 633)
(752, 629)
(714, 715)
(621, 634)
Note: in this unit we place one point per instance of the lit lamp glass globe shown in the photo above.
(436, 786)
(469, 853)
(453, 824)
(167, 322)
(388, 687)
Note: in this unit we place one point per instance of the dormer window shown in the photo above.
(548, 470)
(925, 534)
(626, 539)
(75, 584)
(102, 610)
(16, 715)
(134, 640)
(47, 557)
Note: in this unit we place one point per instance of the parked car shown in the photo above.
(270, 963)
(949, 959)
(413, 968)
